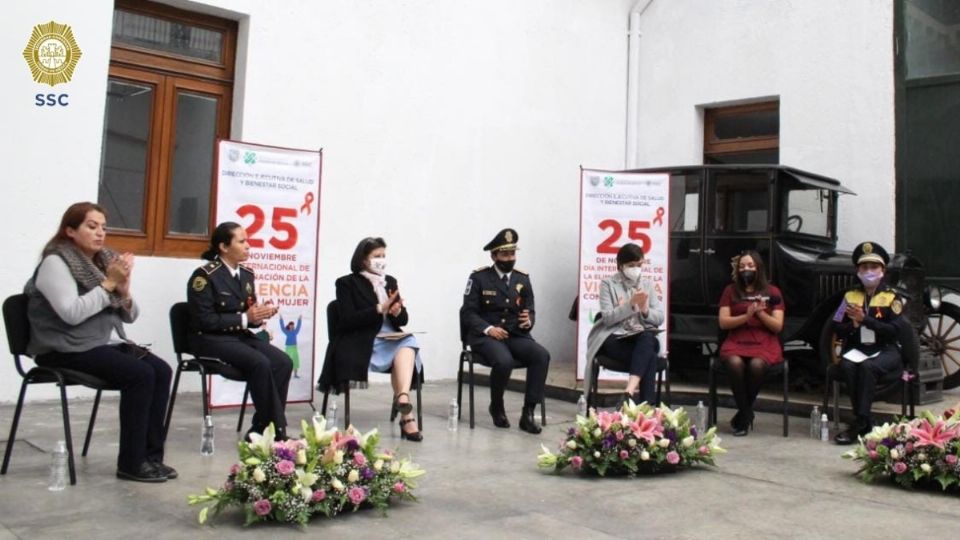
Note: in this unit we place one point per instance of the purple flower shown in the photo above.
(693, 431)
(281, 451)
(888, 442)
(319, 495)
(672, 435)
(356, 495)
(285, 467)
(367, 473)
(353, 445)
(571, 432)
(262, 507)
(899, 467)
(576, 462)
(673, 458)
(608, 443)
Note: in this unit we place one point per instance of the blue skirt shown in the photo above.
(384, 350)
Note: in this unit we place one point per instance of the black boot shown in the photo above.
(526, 420)
(499, 415)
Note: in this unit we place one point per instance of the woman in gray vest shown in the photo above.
(625, 329)
(79, 298)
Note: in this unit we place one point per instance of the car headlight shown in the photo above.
(932, 297)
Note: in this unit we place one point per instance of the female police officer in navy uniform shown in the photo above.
(223, 311)
(866, 321)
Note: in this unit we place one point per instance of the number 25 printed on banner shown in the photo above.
(286, 228)
(634, 232)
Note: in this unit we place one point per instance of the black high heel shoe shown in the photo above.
(415, 436)
(401, 408)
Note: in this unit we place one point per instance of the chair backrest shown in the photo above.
(180, 326)
(333, 319)
(18, 327)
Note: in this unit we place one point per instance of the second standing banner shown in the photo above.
(618, 208)
(274, 193)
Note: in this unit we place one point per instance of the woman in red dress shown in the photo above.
(751, 314)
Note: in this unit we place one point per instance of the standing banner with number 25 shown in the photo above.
(617, 208)
(274, 193)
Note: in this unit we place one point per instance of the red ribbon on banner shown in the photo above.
(307, 201)
(658, 220)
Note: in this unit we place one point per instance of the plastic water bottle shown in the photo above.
(58, 467)
(815, 422)
(453, 415)
(206, 437)
(701, 418)
(824, 427)
(582, 405)
(332, 417)
(317, 417)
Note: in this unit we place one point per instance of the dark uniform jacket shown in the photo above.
(217, 300)
(881, 316)
(487, 301)
(357, 325)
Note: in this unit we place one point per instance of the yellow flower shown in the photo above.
(395, 467)
(664, 443)
(353, 476)
(337, 484)
(687, 441)
(258, 475)
(572, 444)
(644, 456)
(377, 465)
(301, 457)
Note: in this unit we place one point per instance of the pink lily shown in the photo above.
(646, 428)
(606, 419)
(934, 435)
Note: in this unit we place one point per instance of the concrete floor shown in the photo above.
(479, 484)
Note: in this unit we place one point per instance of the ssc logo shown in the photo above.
(233, 154)
(52, 53)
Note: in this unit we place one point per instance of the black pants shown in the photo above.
(862, 379)
(144, 385)
(503, 356)
(640, 351)
(265, 368)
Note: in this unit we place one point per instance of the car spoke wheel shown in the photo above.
(941, 335)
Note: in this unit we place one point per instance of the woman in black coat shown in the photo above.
(369, 306)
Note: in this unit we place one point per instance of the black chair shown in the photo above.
(717, 367)
(204, 365)
(18, 335)
(612, 364)
(467, 357)
(333, 320)
(907, 379)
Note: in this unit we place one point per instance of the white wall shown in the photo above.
(441, 122)
(831, 65)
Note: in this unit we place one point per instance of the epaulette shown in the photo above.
(247, 268)
(481, 269)
(521, 272)
(211, 266)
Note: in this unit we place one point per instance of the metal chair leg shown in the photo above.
(419, 375)
(346, 405)
(243, 406)
(836, 405)
(666, 373)
(712, 410)
(173, 400)
(66, 433)
(13, 427)
(543, 412)
(470, 361)
(786, 398)
(203, 392)
(93, 418)
(460, 389)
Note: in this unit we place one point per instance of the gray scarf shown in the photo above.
(86, 271)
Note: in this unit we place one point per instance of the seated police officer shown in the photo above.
(497, 316)
(225, 313)
(865, 323)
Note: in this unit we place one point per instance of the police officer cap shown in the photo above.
(870, 252)
(505, 240)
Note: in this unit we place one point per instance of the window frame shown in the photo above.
(715, 147)
(171, 74)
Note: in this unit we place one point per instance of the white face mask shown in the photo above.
(378, 265)
(632, 273)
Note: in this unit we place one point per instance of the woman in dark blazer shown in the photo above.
(368, 307)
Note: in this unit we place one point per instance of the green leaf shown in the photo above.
(202, 517)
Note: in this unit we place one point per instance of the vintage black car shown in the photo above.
(790, 217)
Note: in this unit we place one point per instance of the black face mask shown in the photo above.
(504, 266)
(747, 276)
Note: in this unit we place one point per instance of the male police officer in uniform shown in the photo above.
(497, 316)
(867, 321)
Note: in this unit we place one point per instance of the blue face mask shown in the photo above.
(870, 278)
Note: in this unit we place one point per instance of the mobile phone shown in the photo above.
(841, 311)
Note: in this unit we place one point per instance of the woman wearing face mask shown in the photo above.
(751, 313)
(865, 322)
(629, 310)
(369, 304)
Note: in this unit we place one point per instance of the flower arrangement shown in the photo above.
(918, 451)
(639, 438)
(324, 472)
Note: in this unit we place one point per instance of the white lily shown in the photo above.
(263, 443)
